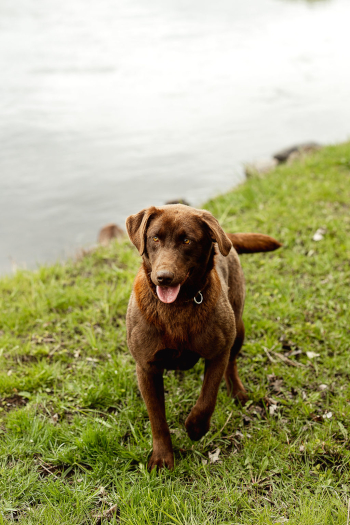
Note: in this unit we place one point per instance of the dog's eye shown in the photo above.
(186, 241)
(155, 238)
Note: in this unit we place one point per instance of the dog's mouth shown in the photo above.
(168, 294)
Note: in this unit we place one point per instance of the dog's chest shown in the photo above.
(205, 329)
(200, 331)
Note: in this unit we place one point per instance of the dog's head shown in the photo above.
(176, 243)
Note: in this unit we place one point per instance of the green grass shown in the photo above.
(74, 432)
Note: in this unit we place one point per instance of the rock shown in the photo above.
(179, 201)
(260, 167)
(294, 152)
(109, 232)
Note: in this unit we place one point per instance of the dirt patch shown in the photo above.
(26, 358)
(15, 401)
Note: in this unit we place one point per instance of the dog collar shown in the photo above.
(200, 298)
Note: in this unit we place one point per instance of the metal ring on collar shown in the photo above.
(201, 298)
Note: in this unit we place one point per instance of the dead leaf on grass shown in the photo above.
(273, 409)
(109, 513)
(312, 355)
(271, 401)
(214, 456)
(277, 385)
(319, 234)
(256, 410)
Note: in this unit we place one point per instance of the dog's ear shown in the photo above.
(217, 233)
(136, 226)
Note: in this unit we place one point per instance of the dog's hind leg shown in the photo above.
(234, 385)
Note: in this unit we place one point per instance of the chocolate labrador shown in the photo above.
(187, 303)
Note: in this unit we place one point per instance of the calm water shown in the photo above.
(107, 107)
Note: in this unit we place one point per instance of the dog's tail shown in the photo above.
(253, 242)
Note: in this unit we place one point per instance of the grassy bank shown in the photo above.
(74, 432)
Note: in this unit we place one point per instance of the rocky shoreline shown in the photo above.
(259, 167)
(284, 156)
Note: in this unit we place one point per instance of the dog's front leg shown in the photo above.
(198, 422)
(152, 389)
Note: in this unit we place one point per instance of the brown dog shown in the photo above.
(187, 303)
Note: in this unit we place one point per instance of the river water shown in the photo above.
(107, 107)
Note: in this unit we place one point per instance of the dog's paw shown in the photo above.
(160, 460)
(197, 425)
(242, 397)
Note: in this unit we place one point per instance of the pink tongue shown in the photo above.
(168, 294)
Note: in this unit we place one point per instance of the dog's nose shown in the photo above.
(165, 278)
